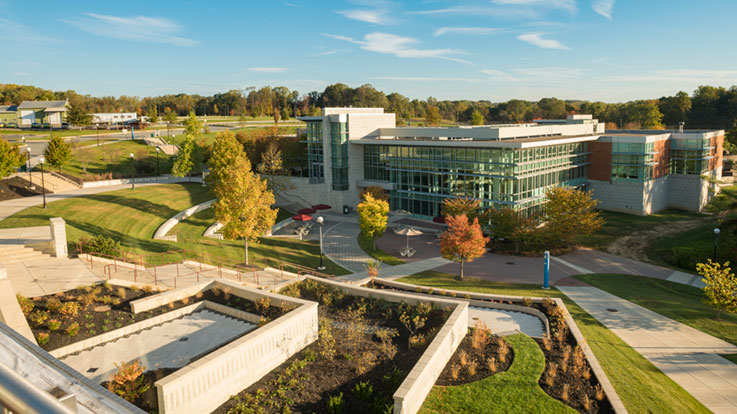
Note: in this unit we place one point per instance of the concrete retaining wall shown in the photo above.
(210, 381)
(10, 311)
(211, 231)
(169, 224)
(141, 180)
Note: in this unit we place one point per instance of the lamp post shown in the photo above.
(30, 175)
(320, 221)
(133, 169)
(158, 170)
(43, 184)
(716, 242)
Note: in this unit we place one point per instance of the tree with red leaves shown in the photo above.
(463, 241)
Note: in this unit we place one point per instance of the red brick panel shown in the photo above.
(601, 161)
(662, 158)
(718, 144)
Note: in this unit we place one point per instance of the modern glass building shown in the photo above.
(504, 165)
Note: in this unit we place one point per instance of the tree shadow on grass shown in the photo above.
(159, 210)
(126, 241)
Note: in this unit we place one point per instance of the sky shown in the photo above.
(608, 50)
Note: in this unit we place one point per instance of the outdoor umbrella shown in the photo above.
(306, 211)
(407, 231)
(322, 207)
(301, 217)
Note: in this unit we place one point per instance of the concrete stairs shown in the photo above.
(14, 253)
(51, 181)
(158, 142)
(172, 344)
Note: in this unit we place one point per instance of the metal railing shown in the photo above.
(19, 396)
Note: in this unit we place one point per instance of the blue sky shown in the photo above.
(610, 50)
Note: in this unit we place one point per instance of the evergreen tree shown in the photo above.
(58, 152)
(10, 158)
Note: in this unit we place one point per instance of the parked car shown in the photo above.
(36, 125)
(11, 125)
(47, 125)
(64, 126)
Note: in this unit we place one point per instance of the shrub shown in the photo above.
(471, 367)
(586, 402)
(467, 296)
(147, 288)
(69, 309)
(503, 351)
(185, 300)
(417, 341)
(586, 374)
(309, 355)
(480, 336)
(38, 318)
(198, 295)
(326, 341)
(599, 392)
(135, 288)
(42, 338)
(128, 381)
(72, 329)
(262, 305)
(564, 394)
(226, 293)
(547, 343)
(26, 305)
(364, 362)
(121, 292)
(363, 391)
(412, 325)
(101, 244)
(491, 364)
(393, 379)
(53, 304)
(463, 358)
(387, 347)
(54, 325)
(382, 405)
(336, 404)
(455, 371)
(87, 299)
(527, 302)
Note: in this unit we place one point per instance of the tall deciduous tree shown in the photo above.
(432, 115)
(272, 167)
(463, 241)
(189, 157)
(10, 158)
(721, 286)
(570, 214)
(169, 117)
(375, 191)
(244, 201)
(470, 207)
(477, 118)
(58, 152)
(509, 224)
(372, 217)
(153, 114)
(78, 116)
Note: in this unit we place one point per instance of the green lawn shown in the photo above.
(641, 386)
(368, 246)
(622, 224)
(114, 159)
(731, 357)
(674, 300)
(513, 391)
(132, 217)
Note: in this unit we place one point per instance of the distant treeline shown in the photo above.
(707, 107)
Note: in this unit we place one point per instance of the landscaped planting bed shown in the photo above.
(67, 317)
(479, 355)
(366, 348)
(567, 376)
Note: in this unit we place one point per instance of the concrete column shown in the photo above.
(59, 236)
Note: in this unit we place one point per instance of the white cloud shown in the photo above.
(399, 46)
(427, 79)
(267, 69)
(21, 73)
(603, 7)
(467, 30)
(139, 28)
(537, 39)
(566, 5)
(715, 76)
(368, 16)
(498, 75)
(550, 73)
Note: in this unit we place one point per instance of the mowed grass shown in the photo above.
(674, 300)
(115, 159)
(267, 252)
(617, 225)
(641, 386)
(368, 246)
(513, 391)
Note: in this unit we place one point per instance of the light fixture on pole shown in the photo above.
(43, 184)
(30, 175)
(158, 170)
(133, 166)
(716, 242)
(321, 221)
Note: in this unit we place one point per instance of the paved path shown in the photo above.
(688, 356)
(169, 345)
(504, 322)
(340, 244)
(395, 272)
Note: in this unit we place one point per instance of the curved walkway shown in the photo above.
(340, 244)
(505, 322)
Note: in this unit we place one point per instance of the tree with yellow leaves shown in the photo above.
(721, 286)
(372, 217)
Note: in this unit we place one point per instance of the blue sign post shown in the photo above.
(133, 136)
(546, 278)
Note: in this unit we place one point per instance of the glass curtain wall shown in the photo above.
(517, 178)
(633, 161)
(339, 152)
(690, 156)
(315, 163)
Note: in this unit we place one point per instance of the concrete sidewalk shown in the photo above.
(395, 272)
(688, 356)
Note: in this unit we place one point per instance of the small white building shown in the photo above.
(114, 118)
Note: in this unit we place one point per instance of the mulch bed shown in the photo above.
(321, 377)
(477, 356)
(16, 187)
(118, 299)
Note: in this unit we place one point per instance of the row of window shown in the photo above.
(339, 153)
(315, 163)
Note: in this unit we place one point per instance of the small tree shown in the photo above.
(169, 117)
(376, 192)
(153, 115)
(721, 286)
(77, 116)
(470, 207)
(244, 201)
(463, 241)
(128, 382)
(432, 115)
(511, 224)
(372, 217)
(10, 158)
(477, 118)
(569, 215)
(272, 166)
(183, 165)
(58, 152)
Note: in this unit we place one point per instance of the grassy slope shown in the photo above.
(132, 217)
(114, 158)
(641, 386)
(680, 302)
(368, 246)
(513, 391)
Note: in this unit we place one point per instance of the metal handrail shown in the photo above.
(18, 395)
